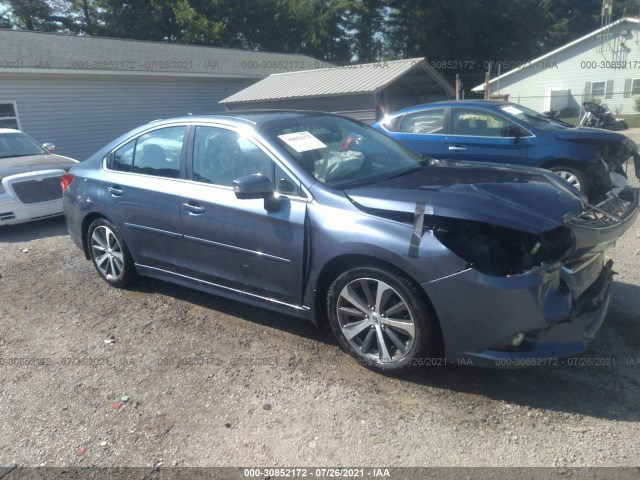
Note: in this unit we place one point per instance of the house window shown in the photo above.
(635, 87)
(9, 116)
(597, 89)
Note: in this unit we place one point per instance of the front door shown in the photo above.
(476, 134)
(237, 243)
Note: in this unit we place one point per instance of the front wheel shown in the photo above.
(575, 177)
(380, 318)
(109, 253)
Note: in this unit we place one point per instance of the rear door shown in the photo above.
(140, 193)
(423, 132)
(236, 243)
(476, 134)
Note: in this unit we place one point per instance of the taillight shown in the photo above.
(65, 180)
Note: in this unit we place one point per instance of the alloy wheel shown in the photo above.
(107, 253)
(376, 320)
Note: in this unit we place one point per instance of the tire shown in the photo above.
(109, 253)
(359, 317)
(575, 177)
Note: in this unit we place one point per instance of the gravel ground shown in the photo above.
(162, 375)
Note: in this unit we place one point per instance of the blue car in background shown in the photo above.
(590, 159)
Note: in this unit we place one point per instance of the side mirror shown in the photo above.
(49, 147)
(257, 186)
(511, 131)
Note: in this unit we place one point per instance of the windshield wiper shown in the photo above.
(405, 172)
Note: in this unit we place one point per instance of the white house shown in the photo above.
(604, 64)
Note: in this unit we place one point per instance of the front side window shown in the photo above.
(427, 122)
(220, 156)
(478, 123)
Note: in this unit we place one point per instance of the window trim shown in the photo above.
(633, 80)
(256, 141)
(604, 89)
(107, 160)
(15, 111)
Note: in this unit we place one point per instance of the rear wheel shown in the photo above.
(380, 318)
(109, 253)
(572, 175)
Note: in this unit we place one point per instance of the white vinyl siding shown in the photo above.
(584, 71)
(82, 113)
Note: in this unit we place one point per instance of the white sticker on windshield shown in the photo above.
(302, 141)
(512, 110)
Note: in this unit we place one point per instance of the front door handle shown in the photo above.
(457, 149)
(115, 190)
(193, 208)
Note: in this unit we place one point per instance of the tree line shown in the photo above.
(456, 36)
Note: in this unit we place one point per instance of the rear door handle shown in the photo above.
(457, 149)
(115, 190)
(193, 208)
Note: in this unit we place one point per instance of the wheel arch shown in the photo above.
(86, 222)
(340, 264)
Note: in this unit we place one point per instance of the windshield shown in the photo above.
(18, 145)
(339, 152)
(533, 118)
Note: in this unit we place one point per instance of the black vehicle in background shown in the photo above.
(599, 116)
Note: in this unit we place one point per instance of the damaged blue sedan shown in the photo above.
(410, 261)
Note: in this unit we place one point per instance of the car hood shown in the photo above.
(525, 199)
(588, 134)
(34, 163)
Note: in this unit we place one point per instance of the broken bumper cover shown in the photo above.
(480, 320)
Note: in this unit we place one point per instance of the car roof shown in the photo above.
(453, 103)
(9, 130)
(250, 117)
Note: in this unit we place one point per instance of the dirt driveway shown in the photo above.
(162, 375)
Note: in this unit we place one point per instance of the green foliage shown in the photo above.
(636, 104)
(472, 33)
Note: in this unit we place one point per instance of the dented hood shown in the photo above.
(525, 199)
(589, 134)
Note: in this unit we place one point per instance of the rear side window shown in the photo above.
(427, 122)
(155, 153)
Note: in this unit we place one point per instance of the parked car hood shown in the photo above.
(34, 163)
(588, 134)
(525, 199)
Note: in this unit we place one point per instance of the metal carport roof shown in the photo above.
(415, 74)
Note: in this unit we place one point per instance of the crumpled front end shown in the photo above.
(614, 157)
(527, 299)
